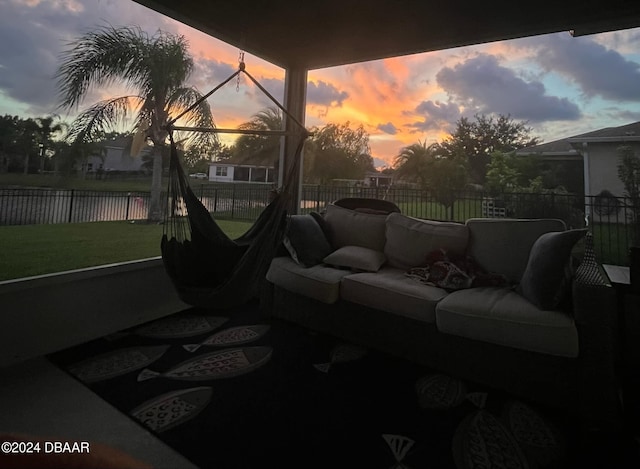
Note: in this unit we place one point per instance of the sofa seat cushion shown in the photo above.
(319, 282)
(502, 316)
(392, 291)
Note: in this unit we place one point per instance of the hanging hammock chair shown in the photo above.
(207, 268)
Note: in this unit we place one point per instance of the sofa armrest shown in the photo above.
(595, 314)
(594, 300)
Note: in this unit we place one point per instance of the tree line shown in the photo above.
(480, 153)
(26, 144)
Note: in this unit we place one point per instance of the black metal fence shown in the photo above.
(39, 206)
(614, 221)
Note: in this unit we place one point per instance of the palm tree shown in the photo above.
(44, 133)
(263, 150)
(155, 67)
(414, 162)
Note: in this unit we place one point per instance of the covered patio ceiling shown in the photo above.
(300, 34)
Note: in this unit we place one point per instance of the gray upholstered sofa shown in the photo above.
(357, 287)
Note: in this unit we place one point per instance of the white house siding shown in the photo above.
(216, 177)
(603, 159)
(241, 173)
(116, 159)
(119, 160)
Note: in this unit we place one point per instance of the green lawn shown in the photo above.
(40, 249)
(461, 211)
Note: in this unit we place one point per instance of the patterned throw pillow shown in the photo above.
(442, 274)
(454, 272)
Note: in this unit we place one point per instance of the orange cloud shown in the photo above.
(382, 95)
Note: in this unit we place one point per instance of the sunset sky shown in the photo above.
(561, 85)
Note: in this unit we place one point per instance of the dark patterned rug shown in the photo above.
(235, 390)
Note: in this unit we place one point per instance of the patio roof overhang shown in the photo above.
(310, 35)
(300, 35)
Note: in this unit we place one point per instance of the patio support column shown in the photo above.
(586, 167)
(295, 97)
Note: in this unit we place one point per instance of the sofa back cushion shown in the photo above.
(352, 228)
(503, 245)
(410, 240)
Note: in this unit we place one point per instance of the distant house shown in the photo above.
(598, 152)
(227, 172)
(116, 157)
(376, 179)
(371, 179)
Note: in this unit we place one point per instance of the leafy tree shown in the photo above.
(26, 140)
(447, 177)
(336, 151)
(9, 134)
(476, 140)
(222, 153)
(501, 173)
(155, 67)
(629, 174)
(353, 142)
(196, 160)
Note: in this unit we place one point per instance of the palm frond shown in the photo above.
(103, 116)
(150, 65)
(200, 116)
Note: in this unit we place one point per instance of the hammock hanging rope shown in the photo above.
(207, 268)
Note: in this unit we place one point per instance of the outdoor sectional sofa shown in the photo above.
(349, 277)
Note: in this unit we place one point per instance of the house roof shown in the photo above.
(120, 142)
(559, 147)
(621, 133)
(567, 146)
(323, 33)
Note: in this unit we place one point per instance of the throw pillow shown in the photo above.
(544, 280)
(356, 258)
(305, 241)
(323, 224)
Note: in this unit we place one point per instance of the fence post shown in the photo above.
(233, 200)
(215, 200)
(126, 216)
(452, 204)
(71, 205)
